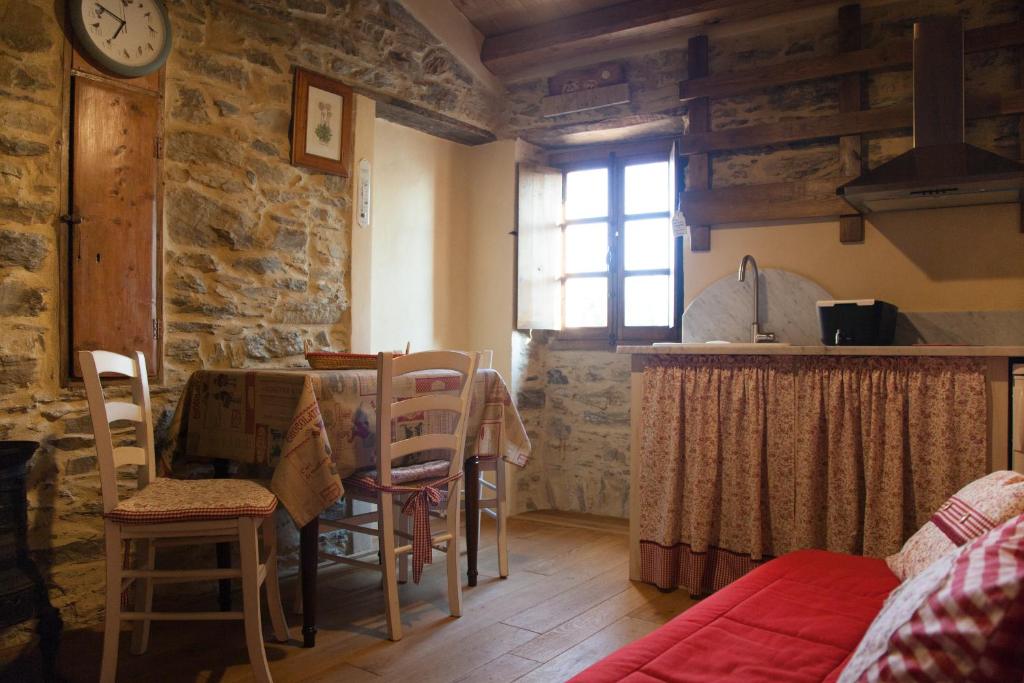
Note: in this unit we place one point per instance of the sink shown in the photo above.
(731, 345)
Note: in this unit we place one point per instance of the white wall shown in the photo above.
(435, 266)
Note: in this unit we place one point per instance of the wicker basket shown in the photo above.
(328, 360)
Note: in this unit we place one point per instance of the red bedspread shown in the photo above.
(795, 619)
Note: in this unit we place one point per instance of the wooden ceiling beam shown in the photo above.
(901, 54)
(630, 21)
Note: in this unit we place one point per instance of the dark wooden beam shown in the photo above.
(615, 25)
(810, 68)
(432, 123)
(851, 99)
(851, 123)
(798, 200)
(698, 170)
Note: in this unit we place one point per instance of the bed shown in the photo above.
(795, 619)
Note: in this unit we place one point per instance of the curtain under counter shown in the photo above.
(743, 458)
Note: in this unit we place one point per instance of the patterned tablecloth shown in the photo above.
(316, 427)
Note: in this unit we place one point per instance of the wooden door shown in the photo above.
(114, 226)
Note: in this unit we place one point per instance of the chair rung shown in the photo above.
(182, 575)
(488, 485)
(354, 528)
(172, 542)
(181, 616)
(489, 512)
(341, 559)
(364, 518)
(434, 541)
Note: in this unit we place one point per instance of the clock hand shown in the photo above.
(119, 29)
(104, 9)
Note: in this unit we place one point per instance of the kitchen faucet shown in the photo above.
(756, 335)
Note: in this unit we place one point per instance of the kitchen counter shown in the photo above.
(786, 350)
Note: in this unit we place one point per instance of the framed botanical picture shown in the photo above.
(322, 123)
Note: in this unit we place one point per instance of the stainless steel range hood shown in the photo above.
(941, 170)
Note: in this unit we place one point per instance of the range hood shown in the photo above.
(941, 170)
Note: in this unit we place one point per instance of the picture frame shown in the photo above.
(322, 130)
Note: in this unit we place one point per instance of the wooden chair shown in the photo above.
(495, 506)
(172, 512)
(415, 488)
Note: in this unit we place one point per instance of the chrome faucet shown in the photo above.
(756, 335)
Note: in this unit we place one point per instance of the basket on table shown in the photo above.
(332, 360)
(329, 360)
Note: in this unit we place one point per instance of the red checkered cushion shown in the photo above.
(961, 619)
(190, 500)
(974, 510)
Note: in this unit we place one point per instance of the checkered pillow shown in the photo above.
(975, 509)
(961, 619)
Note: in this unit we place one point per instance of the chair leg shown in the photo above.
(386, 534)
(273, 589)
(112, 618)
(501, 513)
(249, 559)
(146, 551)
(452, 559)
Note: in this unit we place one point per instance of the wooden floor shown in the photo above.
(567, 603)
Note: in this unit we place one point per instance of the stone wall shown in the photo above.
(256, 252)
(576, 403)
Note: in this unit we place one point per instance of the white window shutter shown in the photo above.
(539, 227)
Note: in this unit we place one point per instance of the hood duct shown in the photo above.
(941, 170)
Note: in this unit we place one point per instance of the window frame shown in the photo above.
(616, 331)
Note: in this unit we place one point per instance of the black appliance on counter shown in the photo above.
(857, 322)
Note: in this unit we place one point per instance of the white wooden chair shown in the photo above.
(167, 512)
(495, 506)
(415, 488)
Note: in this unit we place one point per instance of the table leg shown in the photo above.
(472, 477)
(309, 554)
(221, 470)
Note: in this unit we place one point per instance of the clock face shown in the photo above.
(129, 37)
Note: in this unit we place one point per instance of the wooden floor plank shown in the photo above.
(550, 613)
(591, 650)
(574, 631)
(504, 669)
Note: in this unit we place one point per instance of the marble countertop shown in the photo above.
(787, 350)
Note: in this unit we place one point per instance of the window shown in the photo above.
(621, 271)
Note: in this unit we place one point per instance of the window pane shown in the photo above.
(648, 301)
(586, 194)
(586, 248)
(648, 244)
(647, 188)
(586, 302)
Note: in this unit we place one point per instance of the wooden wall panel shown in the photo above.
(114, 201)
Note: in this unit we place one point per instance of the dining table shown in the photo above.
(307, 430)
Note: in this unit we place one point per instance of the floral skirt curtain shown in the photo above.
(747, 457)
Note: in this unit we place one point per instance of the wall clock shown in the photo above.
(127, 37)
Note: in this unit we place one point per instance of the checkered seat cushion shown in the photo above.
(191, 500)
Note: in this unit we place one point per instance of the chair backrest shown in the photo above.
(103, 413)
(388, 409)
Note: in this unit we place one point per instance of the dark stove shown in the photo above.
(23, 593)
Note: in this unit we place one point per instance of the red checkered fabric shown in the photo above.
(421, 498)
(168, 500)
(962, 619)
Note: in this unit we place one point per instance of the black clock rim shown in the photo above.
(93, 50)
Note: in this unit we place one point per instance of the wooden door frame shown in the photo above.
(63, 234)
